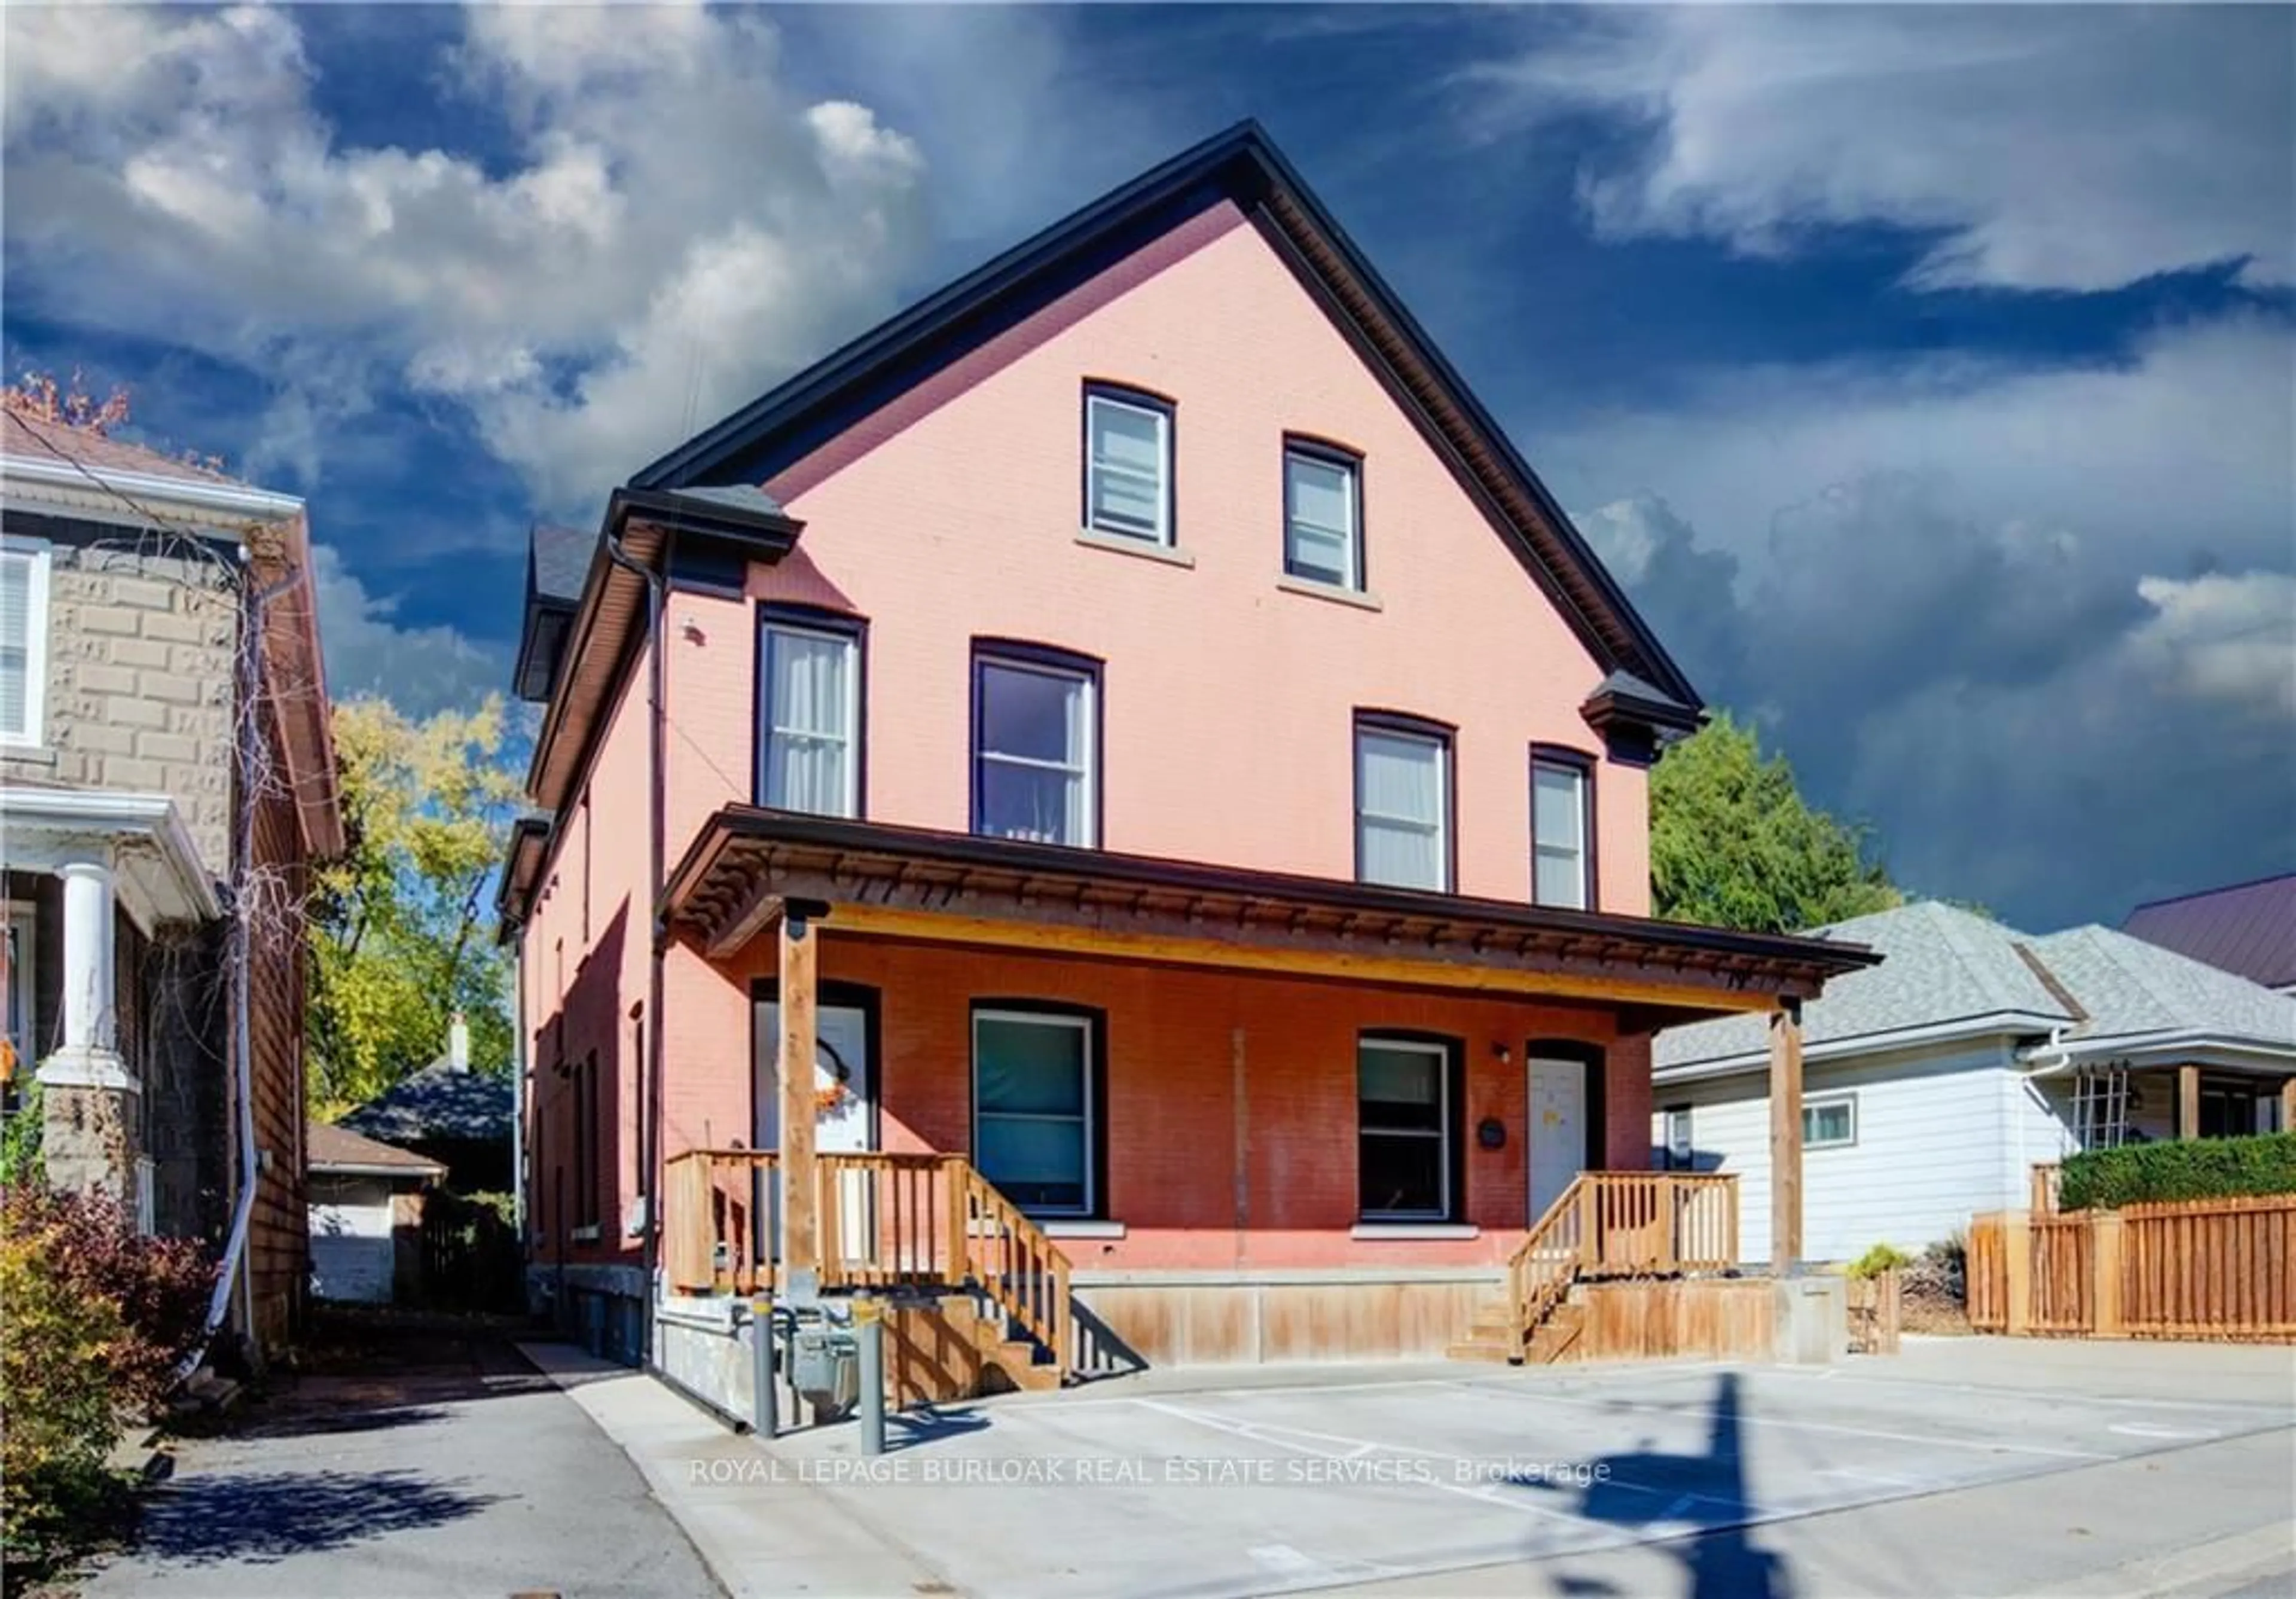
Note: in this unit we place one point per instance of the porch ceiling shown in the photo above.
(957, 887)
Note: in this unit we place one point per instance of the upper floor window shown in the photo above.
(1403, 804)
(1127, 465)
(1322, 516)
(809, 753)
(1035, 746)
(1563, 830)
(23, 639)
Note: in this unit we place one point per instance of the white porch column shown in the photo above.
(89, 1022)
(87, 1096)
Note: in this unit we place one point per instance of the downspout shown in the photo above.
(518, 1093)
(2036, 1070)
(242, 1028)
(650, 1087)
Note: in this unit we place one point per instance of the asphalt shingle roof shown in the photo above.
(1943, 965)
(437, 1103)
(559, 559)
(36, 440)
(328, 1146)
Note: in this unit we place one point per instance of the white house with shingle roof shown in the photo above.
(1934, 1081)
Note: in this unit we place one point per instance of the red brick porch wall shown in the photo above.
(1174, 1115)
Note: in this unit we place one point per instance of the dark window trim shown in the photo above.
(1145, 400)
(1455, 1119)
(819, 619)
(638, 1054)
(1586, 765)
(1597, 1061)
(1445, 736)
(1096, 1208)
(1025, 652)
(864, 997)
(586, 1142)
(1333, 451)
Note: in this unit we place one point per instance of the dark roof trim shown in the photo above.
(927, 846)
(1622, 697)
(521, 874)
(611, 619)
(1244, 166)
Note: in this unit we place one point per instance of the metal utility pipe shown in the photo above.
(869, 1336)
(765, 1407)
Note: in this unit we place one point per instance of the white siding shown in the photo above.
(1935, 1145)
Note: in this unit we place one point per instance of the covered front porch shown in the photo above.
(1175, 1113)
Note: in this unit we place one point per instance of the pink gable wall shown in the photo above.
(1228, 699)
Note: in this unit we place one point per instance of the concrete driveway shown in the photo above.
(421, 1461)
(1965, 1467)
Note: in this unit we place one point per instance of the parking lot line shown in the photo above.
(1709, 1414)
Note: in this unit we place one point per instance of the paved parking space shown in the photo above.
(1172, 1490)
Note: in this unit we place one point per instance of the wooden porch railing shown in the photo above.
(1621, 1224)
(1022, 1269)
(887, 1221)
(717, 1219)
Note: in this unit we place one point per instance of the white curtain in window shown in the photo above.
(809, 711)
(1320, 497)
(1399, 780)
(1037, 739)
(1558, 804)
(1127, 469)
(15, 639)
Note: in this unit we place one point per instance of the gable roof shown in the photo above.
(1241, 166)
(1948, 973)
(437, 1103)
(338, 1149)
(33, 436)
(2249, 929)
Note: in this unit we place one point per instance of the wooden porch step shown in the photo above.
(1013, 1363)
(1497, 1350)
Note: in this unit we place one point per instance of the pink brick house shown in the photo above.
(1188, 777)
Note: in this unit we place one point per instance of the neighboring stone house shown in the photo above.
(164, 759)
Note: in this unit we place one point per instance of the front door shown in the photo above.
(845, 1092)
(1558, 1129)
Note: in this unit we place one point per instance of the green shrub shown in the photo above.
(1881, 1258)
(2137, 1173)
(57, 1420)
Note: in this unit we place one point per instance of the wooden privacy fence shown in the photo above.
(2221, 1268)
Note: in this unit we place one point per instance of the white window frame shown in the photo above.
(1582, 785)
(1680, 1140)
(38, 555)
(1082, 1027)
(1812, 1103)
(1442, 1134)
(1085, 765)
(1330, 461)
(1441, 747)
(1161, 416)
(851, 736)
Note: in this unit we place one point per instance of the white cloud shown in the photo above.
(676, 228)
(2227, 639)
(420, 670)
(2071, 147)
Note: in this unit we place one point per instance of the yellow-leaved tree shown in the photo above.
(400, 925)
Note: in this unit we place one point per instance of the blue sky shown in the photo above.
(1925, 373)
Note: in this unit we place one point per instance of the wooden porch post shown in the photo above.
(2188, 1102)
(1785, 1138)
(800, 945)
(2288, 1105)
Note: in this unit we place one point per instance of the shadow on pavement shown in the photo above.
(1707, 1490)
(268, 1516)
